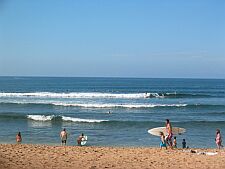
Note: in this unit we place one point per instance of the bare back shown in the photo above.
(63, 135)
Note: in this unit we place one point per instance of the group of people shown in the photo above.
(167, 140)
(63, 136)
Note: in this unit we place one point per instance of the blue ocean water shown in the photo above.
(40, 107)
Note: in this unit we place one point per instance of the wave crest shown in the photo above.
(82, 95)
(63, 118)
(104, 95)
(40, 117)
(72, 119)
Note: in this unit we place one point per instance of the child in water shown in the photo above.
(175, 142)
(163, 141)
(184, 143)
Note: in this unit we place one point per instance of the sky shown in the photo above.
(113, 38)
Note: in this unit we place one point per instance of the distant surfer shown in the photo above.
(109, 112)
(63, 136)
(161, 95)
(147, 95)
(169, 133)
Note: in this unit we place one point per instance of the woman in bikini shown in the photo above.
(18, 138)
(218, 139)
(169, 133)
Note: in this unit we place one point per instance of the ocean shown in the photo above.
(40, 107)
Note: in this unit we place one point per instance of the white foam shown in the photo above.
(81, 95)
(72, 119)
(40, 117)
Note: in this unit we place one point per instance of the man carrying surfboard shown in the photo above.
(169, 133)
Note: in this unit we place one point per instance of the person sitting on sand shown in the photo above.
(163, 141)
(169, 133)
(80, 138)
(175, 142)
(18, 138)
(184, 143)
(218, 139)
(63, 136)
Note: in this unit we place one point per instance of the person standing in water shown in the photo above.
(169, 133)
(18, 138)
(79, 139)
(63, 136)
(184, 144)
(218, 139)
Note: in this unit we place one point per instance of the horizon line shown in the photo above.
(125, 77)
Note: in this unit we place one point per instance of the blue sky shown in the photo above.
(113, 38)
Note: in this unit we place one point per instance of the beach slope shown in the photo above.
(13, 156)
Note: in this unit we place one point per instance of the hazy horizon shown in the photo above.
(27, 76)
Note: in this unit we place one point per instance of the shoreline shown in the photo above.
(92, 157)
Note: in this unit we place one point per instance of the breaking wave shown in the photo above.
(101, 95)
(63, 118)
(78, 95)
(72, 119)
(40, 117)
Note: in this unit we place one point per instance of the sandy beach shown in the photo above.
(43, 156)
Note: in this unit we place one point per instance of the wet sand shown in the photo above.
(46, 157)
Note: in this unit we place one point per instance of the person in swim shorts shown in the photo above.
(63, 136)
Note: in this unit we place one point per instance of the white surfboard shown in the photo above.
(175, 131)
(83, 141)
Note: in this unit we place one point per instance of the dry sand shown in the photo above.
(21, 156)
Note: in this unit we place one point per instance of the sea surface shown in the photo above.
(40, 107)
